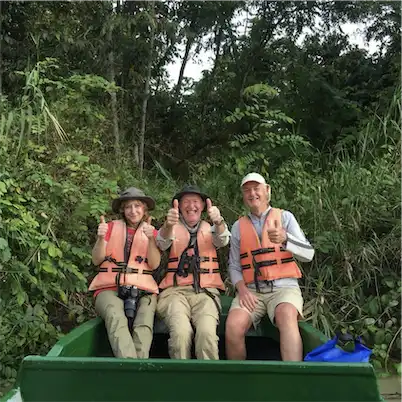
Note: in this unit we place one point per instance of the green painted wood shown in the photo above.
(111, 379)
(74, 371)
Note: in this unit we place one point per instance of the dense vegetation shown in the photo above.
(86, 110)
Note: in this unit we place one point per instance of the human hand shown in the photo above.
(148, 229)
(213, 213)
(172, 217)
(276, 233)
(247, 299)
(102, 228)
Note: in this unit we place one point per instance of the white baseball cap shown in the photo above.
(253, 177)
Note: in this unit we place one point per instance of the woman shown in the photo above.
(126, 254)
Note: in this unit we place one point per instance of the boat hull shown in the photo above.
(80, 367)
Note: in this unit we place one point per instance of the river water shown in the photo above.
(390, 388)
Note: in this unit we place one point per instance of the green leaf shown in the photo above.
(20, 298)
(48, 267)
(6, 255)
(369, 321)
(373, 307)
(379, 337)
(63, 296)
(44, 245)
(52, 250)
(3, 243)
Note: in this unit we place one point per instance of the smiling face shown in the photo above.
(134, 211)
(256, 196)
(191, 207)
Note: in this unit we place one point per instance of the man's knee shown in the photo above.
(206, 328)
(285, 315)
(237, 324)
(180, 328)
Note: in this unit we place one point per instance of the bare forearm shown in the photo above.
(153, 255)
(99, 251)
(240, 286)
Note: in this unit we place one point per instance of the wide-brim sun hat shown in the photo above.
(190, 189)
(132, 193)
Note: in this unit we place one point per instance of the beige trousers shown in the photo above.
(181, 308)
(111, 308)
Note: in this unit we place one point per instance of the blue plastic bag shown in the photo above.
(331, 352)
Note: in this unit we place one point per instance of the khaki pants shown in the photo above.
(180, 307)
(268, 301)
(111, 308)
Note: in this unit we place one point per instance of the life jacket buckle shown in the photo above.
(139, 259)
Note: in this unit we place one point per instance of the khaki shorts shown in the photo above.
(268, 301)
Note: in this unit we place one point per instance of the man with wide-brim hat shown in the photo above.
(125, 291)
(265, 245)
(191, 285)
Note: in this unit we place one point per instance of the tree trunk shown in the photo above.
(146, 91)
(211, 81)
(113, 99)
(189, 44)
(1, 56)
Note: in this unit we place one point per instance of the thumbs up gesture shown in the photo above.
(276, 233)
(147, 228)
(173, 215)
(102, 228)
(213, 213)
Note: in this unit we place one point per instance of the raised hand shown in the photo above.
(147, 228)
(102, 228)
(172, 217)
(213, 213)
(276, 233)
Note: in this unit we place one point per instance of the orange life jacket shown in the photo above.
(264, 261)
(113, 271)
(202, 262)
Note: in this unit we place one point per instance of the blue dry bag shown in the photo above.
(331, 352)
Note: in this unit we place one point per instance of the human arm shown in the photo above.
(220, 231)
(296, 242)
(220, 235)
(99, 249)
(246, 298)
(153, 255)
(165, 234)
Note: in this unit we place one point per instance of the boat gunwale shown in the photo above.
(152, 364)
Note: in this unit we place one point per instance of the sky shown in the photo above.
(204, 60)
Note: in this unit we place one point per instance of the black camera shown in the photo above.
(130, 295)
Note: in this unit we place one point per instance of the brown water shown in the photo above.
(390, 388)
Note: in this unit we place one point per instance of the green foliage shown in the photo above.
(50, 199)
(267, 103)
(348, 204)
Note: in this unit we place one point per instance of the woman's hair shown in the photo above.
(146, 212)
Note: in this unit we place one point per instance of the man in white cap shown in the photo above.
(262, 267)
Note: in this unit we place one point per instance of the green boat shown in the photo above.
(81, 367)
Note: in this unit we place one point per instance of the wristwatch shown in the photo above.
(221, 222)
